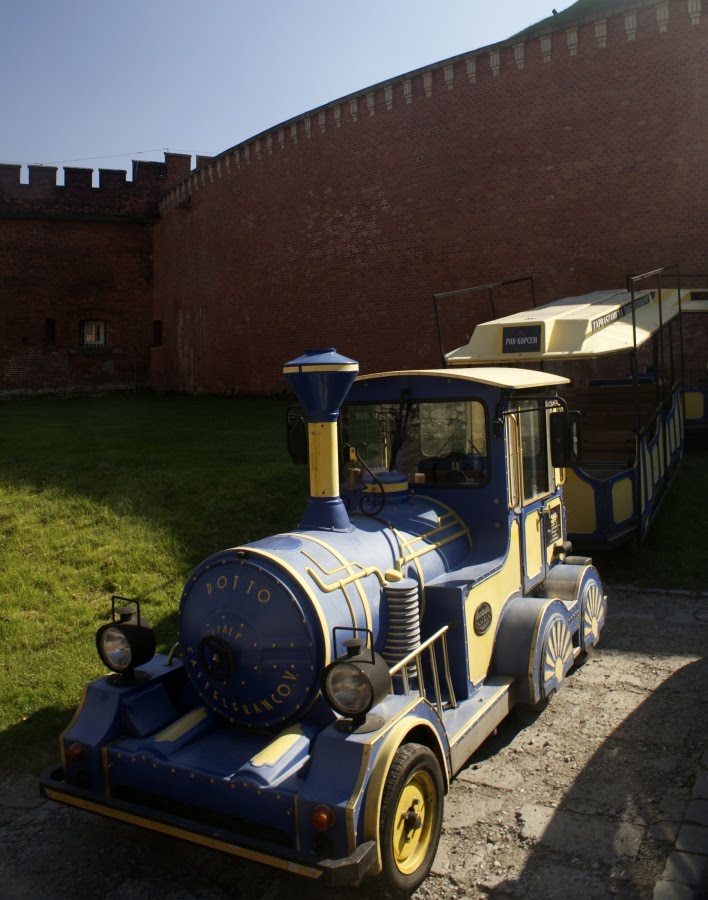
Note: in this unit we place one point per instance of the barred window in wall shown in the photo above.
(94, 333)
(50, 333)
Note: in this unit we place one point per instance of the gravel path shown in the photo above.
(586, 802)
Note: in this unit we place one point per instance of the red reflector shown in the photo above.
(74, 751)
(322, 818)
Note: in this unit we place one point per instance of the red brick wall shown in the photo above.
(579, 170)
(70, 253)
(69, 271)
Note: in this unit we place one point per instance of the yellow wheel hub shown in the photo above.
(414, 822)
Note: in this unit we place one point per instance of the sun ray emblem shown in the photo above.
(594, 611)
(557, 654)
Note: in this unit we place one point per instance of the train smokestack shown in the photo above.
(321, 380)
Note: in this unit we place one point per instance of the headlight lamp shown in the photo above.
(127, 641)
(115, 649)
(355, 683)
(348, 689)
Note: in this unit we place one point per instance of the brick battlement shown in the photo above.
(114, 198)
(593, 28)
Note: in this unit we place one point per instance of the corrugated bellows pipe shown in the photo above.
(403, 636)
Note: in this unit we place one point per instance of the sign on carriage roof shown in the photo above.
(587, 326)
(619, 313)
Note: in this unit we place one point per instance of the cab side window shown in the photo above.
(534, 449)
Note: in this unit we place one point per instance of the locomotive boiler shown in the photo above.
(329, 682)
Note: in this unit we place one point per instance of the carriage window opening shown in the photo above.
(443, 441)
(532, 425)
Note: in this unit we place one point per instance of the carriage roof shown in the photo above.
(587, 326)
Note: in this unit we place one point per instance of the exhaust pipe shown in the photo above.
(321, 380)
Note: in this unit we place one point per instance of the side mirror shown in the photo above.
(565, 438)
(296, 435)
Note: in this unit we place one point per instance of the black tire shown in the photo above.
(582, 658)
(411, 818)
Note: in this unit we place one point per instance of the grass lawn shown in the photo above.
(126, 495)
(118, 495)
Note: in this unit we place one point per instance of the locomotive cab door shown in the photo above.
(533, 490)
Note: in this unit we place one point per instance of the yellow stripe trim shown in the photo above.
(399, 487)
(276, 750)
(345, 367)
(352, 614)
(324, 462)
(181, 726)
(444, 523)
(338, 556)
(296, 576)
(184, 834)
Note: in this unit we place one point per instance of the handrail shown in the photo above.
(489, 287)
(632, 281)
(416, 657)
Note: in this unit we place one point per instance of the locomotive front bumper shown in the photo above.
(347, 870)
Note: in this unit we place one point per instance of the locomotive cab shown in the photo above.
(331, 681)
(492, 445)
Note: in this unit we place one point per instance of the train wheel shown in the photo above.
(557, 656)
(556, 660)
(411, 817)
(593, 612)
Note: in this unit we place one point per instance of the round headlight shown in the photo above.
(115, 650)
(127, 643)
(348, 689)
(355, 683)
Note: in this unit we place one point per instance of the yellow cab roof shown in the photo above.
(501, 377)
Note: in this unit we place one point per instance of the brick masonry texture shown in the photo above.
(576, 153)
(579, 170)
(72, 253)
(69, 271)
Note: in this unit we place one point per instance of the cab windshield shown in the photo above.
(443, 442)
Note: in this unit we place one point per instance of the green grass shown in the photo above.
(118, 495)
(127, 494)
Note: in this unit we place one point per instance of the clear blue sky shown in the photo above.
(96, 83)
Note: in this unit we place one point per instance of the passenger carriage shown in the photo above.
(624, 353)
(695, 377)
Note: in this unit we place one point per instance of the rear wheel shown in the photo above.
(411, 817)
(593, 611)
(556, 659)
(557, 656)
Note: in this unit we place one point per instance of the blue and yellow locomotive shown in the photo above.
(331, 681)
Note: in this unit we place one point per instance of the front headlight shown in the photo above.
(348, 689)
(355, 683)
(126, 642)
(115, 649)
